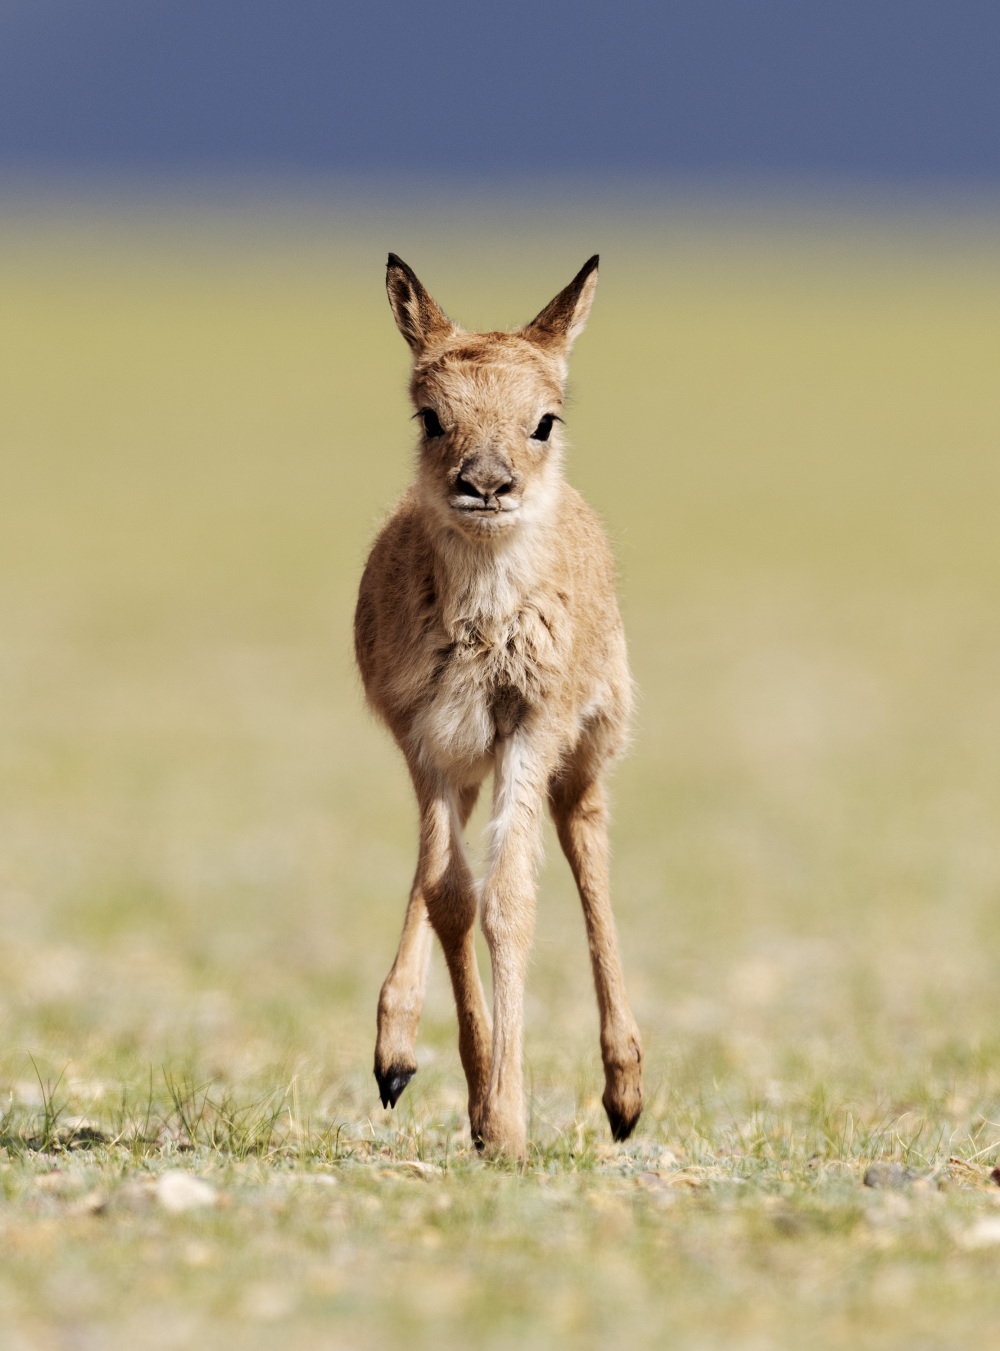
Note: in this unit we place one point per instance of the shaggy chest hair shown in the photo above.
(492, 657)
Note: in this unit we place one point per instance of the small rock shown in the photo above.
(889, 1175)
(984, 1233)
(177, 1191)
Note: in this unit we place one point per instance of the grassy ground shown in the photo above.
(205, 844)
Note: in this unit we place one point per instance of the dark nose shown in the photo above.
(485, 481)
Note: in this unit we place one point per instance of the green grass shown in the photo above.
(205, 843)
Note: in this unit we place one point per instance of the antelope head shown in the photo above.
(488, 405)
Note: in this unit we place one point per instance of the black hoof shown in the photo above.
(392, 1083)
(621, 1126)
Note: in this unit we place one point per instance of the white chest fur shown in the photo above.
(497, 648)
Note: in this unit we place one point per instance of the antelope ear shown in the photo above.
(561, 322)
(418, 317)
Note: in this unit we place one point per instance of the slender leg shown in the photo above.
(400, 1001)
(580, 815)
(450, 897)
(402, 994)
(508, 915)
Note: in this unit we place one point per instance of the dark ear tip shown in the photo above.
(591, 264)
(395, 261)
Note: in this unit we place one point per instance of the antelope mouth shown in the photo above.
(484, 511)
(483, 521)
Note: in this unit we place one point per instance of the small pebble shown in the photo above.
(984, 1233)
(889, 1175)
(177, 1191)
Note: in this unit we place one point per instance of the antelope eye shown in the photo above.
(541, 432)
(432, 427)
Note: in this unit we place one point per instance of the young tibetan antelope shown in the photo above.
(488, 638)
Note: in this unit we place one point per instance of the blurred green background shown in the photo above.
(788, 420)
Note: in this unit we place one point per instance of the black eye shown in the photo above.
(432, 427)
(541, 432)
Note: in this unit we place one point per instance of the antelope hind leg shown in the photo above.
(580, 815)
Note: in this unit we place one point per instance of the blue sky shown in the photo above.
(894, 90)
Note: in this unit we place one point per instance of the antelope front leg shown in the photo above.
(400, 1001)
(508, 916)
(580, 816)
(402, 994)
